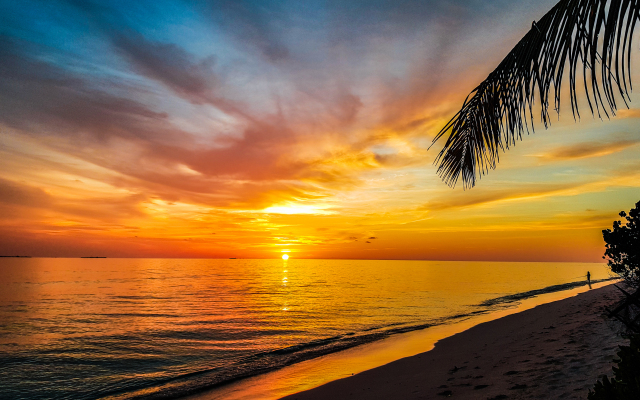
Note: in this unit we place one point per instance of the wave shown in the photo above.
(532, 293)
(260, 363)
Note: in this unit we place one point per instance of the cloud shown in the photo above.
(22, 200)
(253, 25)
(587, 150)
(628, 113)
(469, 199)
(22, 195)
(320, 113)
(170, 65)
(622, 177)
(321, 134)
(42, 98)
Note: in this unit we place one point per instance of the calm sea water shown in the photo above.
(146, 328)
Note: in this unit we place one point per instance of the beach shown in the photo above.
(555, 350)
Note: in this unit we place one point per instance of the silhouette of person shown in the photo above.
(589, 278)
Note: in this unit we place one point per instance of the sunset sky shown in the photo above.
(252, 128)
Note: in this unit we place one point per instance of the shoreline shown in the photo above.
(326, 369)
(555, 350)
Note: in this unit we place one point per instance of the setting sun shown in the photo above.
(285, 256)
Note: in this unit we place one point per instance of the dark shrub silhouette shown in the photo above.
(625, 384)
(623, 246)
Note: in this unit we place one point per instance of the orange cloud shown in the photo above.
(629, 113)
(471, 199)
(587, 150)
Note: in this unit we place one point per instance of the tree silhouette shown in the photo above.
(593, 34)
(623, 246)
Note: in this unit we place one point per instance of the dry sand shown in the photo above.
(554, 351)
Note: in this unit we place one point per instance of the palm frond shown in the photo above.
(595, 34)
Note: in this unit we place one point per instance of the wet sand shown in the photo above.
(555, 350)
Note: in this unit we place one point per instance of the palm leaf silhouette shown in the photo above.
(594, 34)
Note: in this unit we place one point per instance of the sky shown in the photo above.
(250, 129)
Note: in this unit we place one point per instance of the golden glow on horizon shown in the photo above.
(285, 257)
(296, 209)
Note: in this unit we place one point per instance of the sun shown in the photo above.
(285, 256)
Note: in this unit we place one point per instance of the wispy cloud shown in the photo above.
(625, 177)
(41, 98)
(628, 113)
(172, 66)
(524, 192)
(587, 150)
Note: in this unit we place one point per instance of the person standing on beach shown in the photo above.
(589, 278)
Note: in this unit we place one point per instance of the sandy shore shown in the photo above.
(553, 351)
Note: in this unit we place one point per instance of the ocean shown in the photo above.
(166, 328)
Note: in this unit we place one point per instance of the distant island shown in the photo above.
(16, 256)
(94, 257)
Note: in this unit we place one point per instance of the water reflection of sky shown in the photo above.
(128, 323)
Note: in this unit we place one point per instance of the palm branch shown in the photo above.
(595, 34)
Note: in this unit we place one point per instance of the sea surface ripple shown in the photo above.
(158, 328)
